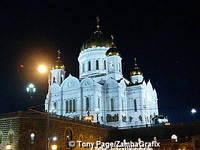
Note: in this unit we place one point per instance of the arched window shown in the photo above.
(97, 65)
(112, 104)
(140, 118)
(54, 80)
(135, 105)
(32, 137)
(11, 136)
(87, 104)
(89, 66)
(104, 64)
(70, 106)
(174, 138)
(67, 106)
(1, 137)
(55, 105)
(68, 138)
(74, 105)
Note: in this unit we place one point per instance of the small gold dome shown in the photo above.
(113, 50)
(59, 64)
(136, 69)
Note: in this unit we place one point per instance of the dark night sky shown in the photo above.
(164, 36)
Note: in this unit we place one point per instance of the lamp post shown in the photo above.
(43, 69)
(31, 89)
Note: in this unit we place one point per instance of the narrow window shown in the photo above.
(55, 105)
(112, 104)
(70, 106)
(89, 66)
(67, 110)
(74, 105)
(32, 138)
(10, 136)
(87, 104)
(122, 105)
(97, 65)
(135, 105)
(104, 64)
(98, 102)
(83, 67)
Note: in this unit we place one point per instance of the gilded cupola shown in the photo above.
(113, 50)
(59, 64)
(97, 39)
(136, 69)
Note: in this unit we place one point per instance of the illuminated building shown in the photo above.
(101, 86)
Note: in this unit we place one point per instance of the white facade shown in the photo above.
(102, 92)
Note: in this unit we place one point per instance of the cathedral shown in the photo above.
(101, 93)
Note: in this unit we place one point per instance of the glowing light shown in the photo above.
(174, 137)
(88, 118)
(32, 135)
(42, 69)
(8, 146)
(54, 147)
(193, 111)
(31, 88)
(167, 124)
(55, 138)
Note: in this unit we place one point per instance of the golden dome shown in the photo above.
(136, 69)
(97, 39)
(113, 50)
(59, 64)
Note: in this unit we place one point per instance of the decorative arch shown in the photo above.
(87, 82)
(111, 83)
(32, 134)
(174, 138)
(11, 136)
(70, 82)
(68, 137)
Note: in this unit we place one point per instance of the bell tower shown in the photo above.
(136, 74)
(57, 73)
(114, 62)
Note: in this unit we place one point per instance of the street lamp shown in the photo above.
(31, 88)
(42, 68)
(54, 147)
(193, 111)
(8, 147)
(54, 139)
